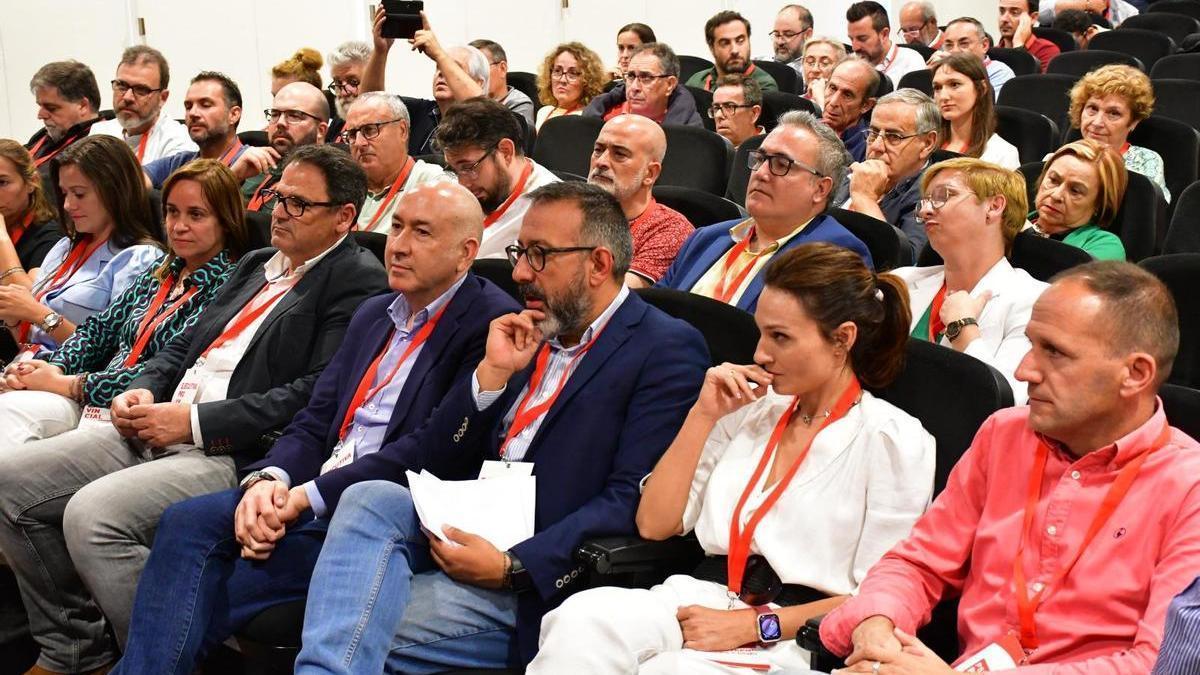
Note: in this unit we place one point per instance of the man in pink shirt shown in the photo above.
(1068, 525)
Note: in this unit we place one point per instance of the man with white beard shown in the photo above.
(139, 92)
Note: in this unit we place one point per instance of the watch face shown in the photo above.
(769, 629)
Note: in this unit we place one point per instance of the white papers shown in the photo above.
(753, 658)
(498, 509)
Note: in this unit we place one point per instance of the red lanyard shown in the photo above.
(20, 228)
(365, 391)
(499, 212)
(39, 161)
(724, 290)
(80, 252)
(152, 319)
(1124, 149)
(739, 539)
(256, 199)
(1027, 606)
(231, 154)
(408, 167)
(936, 326)
(248, 315)
(527, 415)
(141, 151)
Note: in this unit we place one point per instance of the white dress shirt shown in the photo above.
(900, 61)
(422, 172)
(167, 137)
(504, 231)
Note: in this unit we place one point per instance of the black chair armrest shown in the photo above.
(809, 639)
(630, 554)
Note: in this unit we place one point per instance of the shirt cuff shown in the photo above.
(315, 501)
(275, 472)
(484, 399)
(197, 437)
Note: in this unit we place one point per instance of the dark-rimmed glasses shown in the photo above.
(778, 165)
(536, 254)
(295, 206)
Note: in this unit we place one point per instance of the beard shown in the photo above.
(208, 135)
(54, 133)
(129, 119)
(785, 55)
(565, 312)
(610, 184)
(343, 106)
(496, 196)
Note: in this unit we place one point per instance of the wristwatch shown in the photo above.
(518, 578)
(256, 477)
(52, 321)
(769, 628)
(955, 327)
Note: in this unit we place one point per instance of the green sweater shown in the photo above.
(1096, 242)
(707, 78)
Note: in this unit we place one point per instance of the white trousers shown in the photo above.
(33, 415)
(626, 631)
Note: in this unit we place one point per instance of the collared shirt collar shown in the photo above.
(278, 266)
(399, 311)
(742, 230)
(1120, 452)
(596, 326)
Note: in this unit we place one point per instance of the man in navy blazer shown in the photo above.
(402, 353)
(793, 175)
(586, 388)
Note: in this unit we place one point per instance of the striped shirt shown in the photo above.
(1179, 653)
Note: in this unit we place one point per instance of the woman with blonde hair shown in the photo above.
(1079, 193)
(303, 66)
(570, 76)
(28, 229)
(1107, 104)
(966, 101)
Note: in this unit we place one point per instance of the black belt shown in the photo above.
(758, 579)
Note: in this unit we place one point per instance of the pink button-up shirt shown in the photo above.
(1107, 615)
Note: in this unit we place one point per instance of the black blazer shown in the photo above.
(275, 377)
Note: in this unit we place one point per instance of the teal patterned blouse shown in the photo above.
(101, 344)
(1148, 163)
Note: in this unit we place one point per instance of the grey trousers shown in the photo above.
(78, 512)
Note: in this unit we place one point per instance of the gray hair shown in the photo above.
(667, 60)
(928, 12)
(980, 31)
(928, 116)
(479, 66)
(604, 223)
(354, 51)
(394, 103)
(832, 156)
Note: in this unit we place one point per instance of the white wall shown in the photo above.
(244, 38)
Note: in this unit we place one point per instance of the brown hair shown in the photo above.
(224, 198)
(1110, 169)
(834, 285)
(21, 159)
(987, 180)
(139, 54)
(590, 65)
(983, 115)
(304, 66)
(118, 179)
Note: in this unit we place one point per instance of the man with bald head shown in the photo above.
(402, 352)
(626, 162)
(298, 116)
(849, 95)
(919, 24)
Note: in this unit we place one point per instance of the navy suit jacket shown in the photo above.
(617, 414)
(707, 244)
(454, 349)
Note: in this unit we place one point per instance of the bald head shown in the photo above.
(627, 160)
(301, 117)
(434, 237)
(302, 96)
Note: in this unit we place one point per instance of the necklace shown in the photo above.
(809, 419)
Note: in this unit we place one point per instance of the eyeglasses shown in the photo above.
(778, 165)
(644, 79)
(890, 138)
(536, 254)
(368, 131)
(292, 116)
(785, 35)
(471, 171)
(139, 90)
(337, 86)
(295, 206)
(726, 108)
(935, 200)
(570, 75)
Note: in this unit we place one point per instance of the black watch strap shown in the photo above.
(518, 577)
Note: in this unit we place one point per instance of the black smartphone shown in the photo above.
(403, 18)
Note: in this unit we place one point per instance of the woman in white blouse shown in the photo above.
(825, 477)
(976, 303)
(965, 99)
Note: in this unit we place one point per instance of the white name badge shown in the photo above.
(498, 469)
(94, 417)
(1001, 655)
(343, 454)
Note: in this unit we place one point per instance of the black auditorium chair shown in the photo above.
(739, 172)
(885, 87)
(696, 158)
(1178, 67)
(1020, 60)
(888, 246)
(1033, 134)
(258, 229)
(256, 138)
(690, 65)
(703, 99)
(1169, 24)
(1178, 99)
(786, 77)
(1061, 38)
(921, 80)
(375, 242)
(499, 272)
(1183, 236)
(1186, 7)
(951, 394)
(924, 50)
(1147, 45)
(565, 143)
(776, 103)
(1182, 405)
(154, 197)
(1045, 94)
(730, 333)
(526, 83)
(1078, 64)
(1043, 257)
(1181, 273)
(699, 207)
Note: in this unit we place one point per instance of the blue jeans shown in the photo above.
(197, 590)
(378, 602)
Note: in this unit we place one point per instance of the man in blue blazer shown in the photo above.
(586, 388)
(402, 353)
(793, 175)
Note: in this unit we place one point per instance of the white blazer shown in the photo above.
(1002, 153)
(1001, 342)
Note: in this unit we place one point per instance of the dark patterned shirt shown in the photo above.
(101, 344)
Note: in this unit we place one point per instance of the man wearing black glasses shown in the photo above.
(792, 177)
(298, 116)
(737, 103)
(139, 92)
(651, 89)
